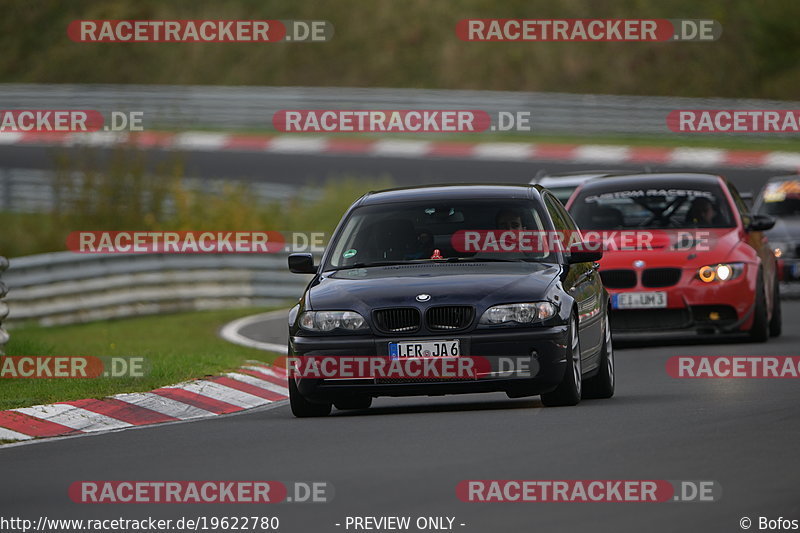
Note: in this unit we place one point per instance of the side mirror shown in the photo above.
(578, 253)
(302, 263)
(761, 223)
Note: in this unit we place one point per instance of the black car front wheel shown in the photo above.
(602, 385)
(568, 391)
(301, 407)
(759, 332)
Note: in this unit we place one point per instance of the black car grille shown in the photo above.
(618, 279)
(450, 317)
(397, 320)
(661, 277)
(650, 319)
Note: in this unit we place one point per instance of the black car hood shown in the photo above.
(481, 284)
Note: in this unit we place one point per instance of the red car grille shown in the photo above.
(661, 277)
(618, 279)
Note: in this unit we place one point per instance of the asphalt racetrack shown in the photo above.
(404, 457)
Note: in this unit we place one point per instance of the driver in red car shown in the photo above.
(701, 213)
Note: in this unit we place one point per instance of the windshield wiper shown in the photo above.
(380, 263)
(421, 261)
(486, 260)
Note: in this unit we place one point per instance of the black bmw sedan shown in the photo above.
(780, 198)
(450, 289)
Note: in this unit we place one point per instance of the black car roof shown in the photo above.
(666, 179)
(451, 192)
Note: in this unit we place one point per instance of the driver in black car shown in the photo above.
(424, 245)
(509, 219)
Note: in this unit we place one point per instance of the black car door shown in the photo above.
(584, 285)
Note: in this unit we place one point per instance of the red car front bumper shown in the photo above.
(687, 304)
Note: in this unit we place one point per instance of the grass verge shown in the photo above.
(177, 348)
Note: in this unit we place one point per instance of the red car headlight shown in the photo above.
(720, 272)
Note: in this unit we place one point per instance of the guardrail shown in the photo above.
(234, 108)
(3, 304)
(65, 287)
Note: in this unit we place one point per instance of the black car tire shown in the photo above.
(602, 385)
(568, 391)
(302, 408)
(759, 332)
(776, 323)
(353, 402)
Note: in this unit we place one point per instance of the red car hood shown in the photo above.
(667, 248)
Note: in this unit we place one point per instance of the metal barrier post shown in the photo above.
(3, 306)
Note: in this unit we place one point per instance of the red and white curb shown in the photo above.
(498, 151)
(254, 385)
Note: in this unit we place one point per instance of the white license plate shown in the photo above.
(639, 300)
(405, 350)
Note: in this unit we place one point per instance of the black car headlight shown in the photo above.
(331, 320)
(720, 272)
(522, 313)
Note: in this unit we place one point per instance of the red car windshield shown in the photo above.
(651, 207)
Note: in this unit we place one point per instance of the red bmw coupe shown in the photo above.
(681, 252)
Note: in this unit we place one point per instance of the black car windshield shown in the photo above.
(658, 206)
(780, 199)
(426, 231)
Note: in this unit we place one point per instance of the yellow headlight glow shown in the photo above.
(707, 274)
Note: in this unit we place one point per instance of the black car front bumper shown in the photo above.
(541, 352)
